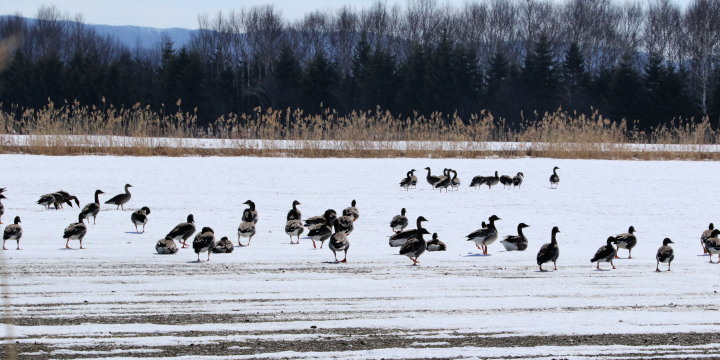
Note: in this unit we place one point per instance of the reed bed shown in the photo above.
(76, 129)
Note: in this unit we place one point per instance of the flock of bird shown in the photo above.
(336, 229)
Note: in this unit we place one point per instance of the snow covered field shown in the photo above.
(118, 299)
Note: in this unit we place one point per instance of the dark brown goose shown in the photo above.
(706, 235)
(250, 214)
(554, 178)
(224, 246)
(75, 231)
(139, 217)
(492, 180)
(166, 246)
(415, 246)
(204, 242)
(13, 232)
(294, 213)
(665, 254)
(352, 211)
(605, 253)
(431, 179)
(322, 231)
(121, 199)
(182, 231)
(68, 199)
(399, 222)
(92, 208)
(435, 244)
(485, 236)
(550, 251)
(626, 241)
(339, 242)
(516, 242)
(320, 219)
(478, 181)
(344, 224)
(401, 238)
(47, 200)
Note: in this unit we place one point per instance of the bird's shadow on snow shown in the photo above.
(71, 249)
(476, 255)
(134, 232)
(334, 262)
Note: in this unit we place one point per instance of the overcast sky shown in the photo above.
(183, 13)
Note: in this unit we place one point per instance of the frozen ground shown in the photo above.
(119, 299)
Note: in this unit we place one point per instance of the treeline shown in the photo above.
(648, 64)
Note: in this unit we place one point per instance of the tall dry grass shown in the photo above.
(358, 134)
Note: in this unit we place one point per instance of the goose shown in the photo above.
(294, 228)
(401, 238)
(50, 199)
(554, 178)
(250, 214)
(706, 235)
(518, 179)
(550, 251)
(2, 190)
(322, 231)
(67, 198)
(139, 217)
(246, 229)
(399, 222)
(413, 178)
(13, 232)
(339, 242)
(295, 213)
(166, 246)
(444, 181)
(2, 207)
(75, 231)
(712, 244)
(344, 224)
(435, 244)
(407, 182)
(352, 211)
(431, 179)
(204, 242)
(506, 181)
(183, 231)
(626, 241)
(492, 180)
(320, 219)
(665, 254)
(415, 246)
(121, 199)
(516, 242)
(224, 246)
(478, 181)
(455, 181)
(92, 208)
(485, 236)
(605, 253)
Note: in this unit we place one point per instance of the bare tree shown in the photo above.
(702, 23)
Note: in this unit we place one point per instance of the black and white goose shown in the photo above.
(550, 251)
(413, 178)
(92, 208)
(401, 238)
(626, 241)
(506, 181)
(75, 231)
(139, 217)
(339, 242)
(250, 214)
(712, 244)
(322, 231)
(415, 247)
(605, 253)
(491, 181)
(431, 179)
(224, 246)
(320, 219)
(13, 232)
(665, 254)
(485, 236)
(478, 181)
(516, 242)
(706, 235)
(204, 242)
(166, 246)
(554, 178)
(518, 179)
(407, 182)
(182, 231)
(399, 222)
(2, 207)
(455, 181)
(352, 211)
(294, 228)
(246, 229)
(294, 213)
(435, 244)
(444, 181)
(121, 199)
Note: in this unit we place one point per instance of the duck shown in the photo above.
(183, 231)
(415, 247)
(246, 229)
(435, 244)
(166, 246)
(706, 235)
(250, 214)
(401, 238)
(75, 231)
(339, 242)
(344, 224)
(121, 199)
(352, 211)
(67, 198)
(294, 228)
(224, 246)
(455, 181)
(204, 242)
(399, 222)
(322, 231)
(139, 217)
(2, 207)
(665, 254)
(554, 178)
(92, 208)
(13, 232)
(626, 241)
(294, 213)
(478, 181)
(485, 236)
(506, 181)
(491, 181)
(516, 242)
(605, 253)
(518, 179)
(431, 179)
(320, 219)
(407, 182)
(550, 251)
(712, 244)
